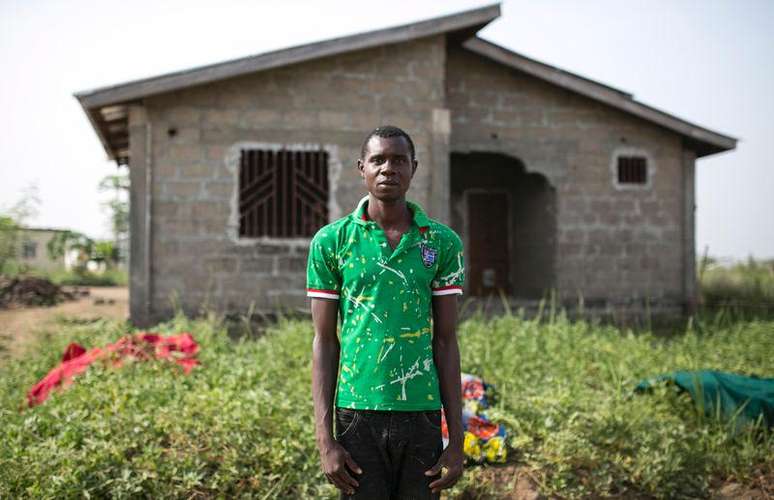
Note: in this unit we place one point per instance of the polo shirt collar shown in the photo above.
(360, 215)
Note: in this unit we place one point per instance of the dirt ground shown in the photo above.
(18, 325)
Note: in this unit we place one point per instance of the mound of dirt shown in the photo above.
(29, 291)
(758, 486)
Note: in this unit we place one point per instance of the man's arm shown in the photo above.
(325, 366)
(446, 354)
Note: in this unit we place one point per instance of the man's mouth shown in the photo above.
(387, 183)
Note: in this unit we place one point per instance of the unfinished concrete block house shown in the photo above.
(554, 181)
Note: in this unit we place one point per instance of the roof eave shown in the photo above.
(702, 140)
(475, 18)
(92, 119)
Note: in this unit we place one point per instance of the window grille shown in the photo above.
(282, 194)
(29, 249)
(632, 170)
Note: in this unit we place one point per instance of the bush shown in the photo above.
(241, 424)
(110, 277)
(237, 424)
(744, 288)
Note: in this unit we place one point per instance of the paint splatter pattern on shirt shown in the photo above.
(385, 299)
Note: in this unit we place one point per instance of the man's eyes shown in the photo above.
(378, 160)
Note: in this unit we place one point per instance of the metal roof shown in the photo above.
(704, 141)
(106, 107)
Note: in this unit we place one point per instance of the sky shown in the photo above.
(710, 62)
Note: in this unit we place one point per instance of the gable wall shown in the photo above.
(331, 102)
(610, 243)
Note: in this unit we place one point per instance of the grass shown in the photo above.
(241, 424)
(110, 277)
(566, 391)
(744, 289)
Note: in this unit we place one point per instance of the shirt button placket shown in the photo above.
(381, 240)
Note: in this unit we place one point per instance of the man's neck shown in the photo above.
(389, 214)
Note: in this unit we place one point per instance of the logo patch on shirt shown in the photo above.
(428, 255)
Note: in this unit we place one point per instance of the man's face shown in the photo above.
(387, 167)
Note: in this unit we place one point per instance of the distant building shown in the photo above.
(554, 181)
(33, 249)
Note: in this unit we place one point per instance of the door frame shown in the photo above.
(466, 226)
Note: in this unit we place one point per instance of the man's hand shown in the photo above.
(337, 464)
(446, 354)
(325, 364)
(451, 459)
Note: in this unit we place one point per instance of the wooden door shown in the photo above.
(488, 243)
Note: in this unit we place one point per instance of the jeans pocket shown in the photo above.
(432, 419)
(346, 421)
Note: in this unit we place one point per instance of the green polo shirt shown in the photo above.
(386, 359)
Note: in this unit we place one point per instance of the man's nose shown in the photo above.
(388, 166)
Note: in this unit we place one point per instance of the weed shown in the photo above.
(241, 424)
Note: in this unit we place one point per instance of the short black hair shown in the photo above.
(387, 131)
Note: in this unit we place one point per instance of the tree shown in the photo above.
(118, 208)
(106, 252)
(66, 241)
(11, 221)
(9, 238)
(26, 207)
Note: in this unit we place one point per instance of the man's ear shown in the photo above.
(414, 165)
(360, 167)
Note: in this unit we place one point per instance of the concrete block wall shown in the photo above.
(611, 243)
(38, 239)
(190, 141)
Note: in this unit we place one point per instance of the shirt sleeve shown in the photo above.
(450, 276)
(323, 279)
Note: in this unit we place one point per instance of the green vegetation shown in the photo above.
(100, 252)
(118, 206)
(104, 253)
(743, 289)
(241, 423)
(9, 242)
(12, 218)
(109, 277)
(76, 277)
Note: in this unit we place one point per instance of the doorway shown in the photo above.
(487, 222)
(506, 217)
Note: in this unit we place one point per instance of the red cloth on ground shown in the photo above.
(180, 349)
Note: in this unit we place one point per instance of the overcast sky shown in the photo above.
(709, 62)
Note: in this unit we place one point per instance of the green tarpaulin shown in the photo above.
(733, 396)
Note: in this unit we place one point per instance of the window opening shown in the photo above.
(632, 170)
(283, 193)
(29, 249)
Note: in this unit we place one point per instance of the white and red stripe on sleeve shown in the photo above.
(322, 294)
(448, 290)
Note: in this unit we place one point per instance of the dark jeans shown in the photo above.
(393, 448)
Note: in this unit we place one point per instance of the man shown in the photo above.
(393, 276)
